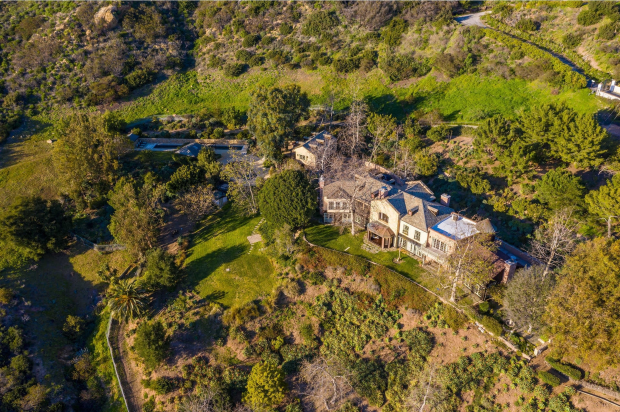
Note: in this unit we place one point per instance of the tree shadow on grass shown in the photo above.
(322, 235)
(203, 267)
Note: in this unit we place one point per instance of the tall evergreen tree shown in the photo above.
(605, 202)
(288, 198)
(272, 116)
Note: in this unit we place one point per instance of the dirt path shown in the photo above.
(132, 385)
(472, 19)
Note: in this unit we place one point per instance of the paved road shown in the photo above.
(472, 19)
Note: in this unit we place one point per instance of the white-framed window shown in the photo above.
(416, 235)
(383, 217)
(330, 205)
(439, 245)
(358, 219)
(405, 230)
(337, 205)
(345, 216)
(328, 217)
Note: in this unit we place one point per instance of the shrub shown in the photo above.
(567, 370)
(588, 18)
(343, 65)
(151, 344)
(243, 55)
(161, 271)
(215, 62)
(319, 23)
(6, 295)
(267, 40)
(256, 61)
(439, 133)
(400, 67)
(549, 378)
(266, 386)
(607, 31)
(161, 386)
(453, 318)
(234, 69)
(73, 327)
(286, 29)
(250, 40)
(237, 316)
(314, 278)
(572, 40)
(139, 78)
(527, 25)
(492, 325)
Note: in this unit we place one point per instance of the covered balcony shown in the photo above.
(379, 235)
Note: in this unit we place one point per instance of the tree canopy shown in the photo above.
(87, 155)
(560, 189)
(526, 297)
(35, 226)
(288, 198)
(582, 310)
(605, 202)
(272, 116)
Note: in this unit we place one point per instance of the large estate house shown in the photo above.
(409, 217)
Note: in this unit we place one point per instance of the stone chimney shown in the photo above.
(510, 266)
(321, 187)
(455, 217)
(383, 192)
(445, 199)
(413, 210)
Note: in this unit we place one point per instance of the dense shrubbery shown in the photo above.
(567, 370)
(492, 325)
(401, 67)
(588, 18)
(319, 23)
(234, 69)
(549, 378)
(151, 343)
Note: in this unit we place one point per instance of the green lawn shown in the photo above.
(329, 236)
(466, 98)
(220, 265)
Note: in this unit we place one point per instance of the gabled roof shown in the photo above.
(424, 214)
(365, 186)
(314, 141)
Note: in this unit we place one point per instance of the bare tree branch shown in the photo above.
(556, 239)
(327, 382)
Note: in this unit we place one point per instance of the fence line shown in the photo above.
(118, 377)
(99, 248)
(447, 302)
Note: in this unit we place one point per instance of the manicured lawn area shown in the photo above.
(220, 265)
(329, 236)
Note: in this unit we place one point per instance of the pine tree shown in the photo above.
(605, 203)
(266, 386)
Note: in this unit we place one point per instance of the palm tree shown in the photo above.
(127, 299)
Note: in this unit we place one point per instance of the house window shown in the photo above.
(403, 242)
(331, 206)
(405, 230)
(383, 217)
(345, 216)
(439, 245)
(416, 235)
(302, 157)
(358, 219)
(328, 217)
(337, 205)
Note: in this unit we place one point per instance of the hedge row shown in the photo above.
(571, 77)
(492, 325)
(556, 48)
(549, 378)
(567, 370)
